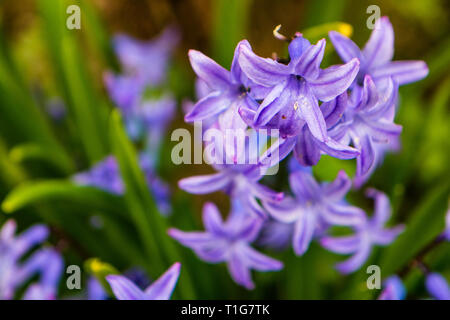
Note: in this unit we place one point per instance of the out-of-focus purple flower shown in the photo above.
(366, 235)
(229, 241)
(228, 90)
(376, 58)
(437, 286)
(14, 272)
(105, 175)
(275, 234)
(369, 122)
(161, 289)
(393, 289)
(56, 108)
(314, 204)
(148, 60)
(95, 290)
(296, 87)
(125, 91)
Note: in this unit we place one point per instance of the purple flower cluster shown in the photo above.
(345, 111)
(16, 272)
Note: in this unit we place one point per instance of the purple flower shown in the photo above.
(14, 271)
(229, 242)
(105, 175)
(437, 286)
(275, 234)
(393, 289)
(376, 57)
(370, 121)
(313, 205)
(161, 289)
(95, 290)
(228, 90)
(371, 232)
(296, 87)
(124, 90)
(148, 60)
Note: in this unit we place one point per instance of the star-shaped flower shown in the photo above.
(161, 289)
(313, 205)
(376, 57)
(229, 242)
(366, 235)
(296, 88)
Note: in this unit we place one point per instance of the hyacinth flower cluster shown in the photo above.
(344, 111)
(16, 270)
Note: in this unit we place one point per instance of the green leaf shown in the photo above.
(425, 224)
(230, 22)
(32, 192)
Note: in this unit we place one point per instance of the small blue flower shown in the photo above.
(229, 241)
(161, 289)
(394, 289)
(366, 235)
(437, 286)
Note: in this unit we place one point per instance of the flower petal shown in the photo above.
(261, 262)
(334, 109)
(344, 215)
(366, 159)
(356, 261)
(303, 232)
(272, 104)
(306, 150)
(334, 80)
(345, 47)
(402, 72)
(337, 150)
(341, 245)
(380, 47)
(437, 286)
(266, 72)
(337, 189)
(124, 289)
(212, 220)
(206, 183)
(162, 288)
(286, 211)
(308, 65)
(214, 103)
(217, 77)
(239, 271)
(304, 186)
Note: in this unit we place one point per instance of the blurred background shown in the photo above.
(55, 121)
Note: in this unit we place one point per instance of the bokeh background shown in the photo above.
(36, 71)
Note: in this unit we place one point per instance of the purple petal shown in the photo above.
(304, 186)
(264, 193)
(334, 80)
(366, 159)
(124, 289)
(303, 232)
(29, 238)
(266, 72)
(383, 130)
(206, 183)
(345, 47)
(214, 103)
(297, 48)
(337, 189)
(402, 72)
(261, 262)
(236, 71)
(380, 47)
(272, 104)
(239, 271)
(212, 219)
(8, 230)
(309, 63)
(306, 150)
(356, 261)
(162, 288)
(209, 71)
(394, 289)
(382, 211)
(437, 286)
(341, 245)
(286, 211)
(384, 237)
(337, 150)
(344, 215)
(369, 95)
(333, 110)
